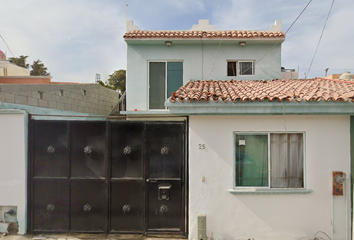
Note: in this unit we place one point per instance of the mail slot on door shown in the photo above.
(164, 191)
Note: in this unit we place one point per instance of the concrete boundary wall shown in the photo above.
(86, 98)
(13, 163)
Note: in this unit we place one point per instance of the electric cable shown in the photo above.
(11, 52)
(322, 233)
(7, 45)
(212, 70)
(319, 41)
(303, 10)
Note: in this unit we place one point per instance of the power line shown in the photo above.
(7, 45)
(319, 40)
(13, 55)
(303, 10)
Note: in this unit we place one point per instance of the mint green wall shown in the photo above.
(200, 62)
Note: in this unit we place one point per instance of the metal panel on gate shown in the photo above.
(51, 205)
(127, 150)
(165, 206)
(88, 149)
(51, 153)
(127, 205)
(88, 206)
(165, 150)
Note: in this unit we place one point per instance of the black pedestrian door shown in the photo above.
(107, 177)
(164, 177)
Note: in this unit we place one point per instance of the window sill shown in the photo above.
(269, 191)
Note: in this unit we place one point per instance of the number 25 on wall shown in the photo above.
(201, 146)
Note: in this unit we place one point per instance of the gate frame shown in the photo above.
(108, 121)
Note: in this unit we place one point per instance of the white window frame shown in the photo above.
(148, 80)
(238, 68)
(269, 162)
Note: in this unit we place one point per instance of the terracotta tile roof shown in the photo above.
(202, 34)
(261, 90)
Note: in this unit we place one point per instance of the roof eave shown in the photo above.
(261, 108)
(202, 39)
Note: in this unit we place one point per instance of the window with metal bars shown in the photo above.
(235, 68)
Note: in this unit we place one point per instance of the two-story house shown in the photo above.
(264, 158)
(212, 145)
(159, 62)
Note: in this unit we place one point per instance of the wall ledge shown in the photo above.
(270, 191)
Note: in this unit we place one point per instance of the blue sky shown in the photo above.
(78, 38)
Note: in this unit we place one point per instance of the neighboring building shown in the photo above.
(289, 74)
(344, 76)
(41, 92)
(9, 69)
(19, 88)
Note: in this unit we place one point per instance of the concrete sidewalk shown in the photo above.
(83, 237)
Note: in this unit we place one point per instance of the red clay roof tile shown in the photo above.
(260, 90)
(202, 34)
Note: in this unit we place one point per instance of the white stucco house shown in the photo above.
(213, 145)
(262, 152)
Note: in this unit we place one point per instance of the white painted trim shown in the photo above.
(12, 111)
(270, 191)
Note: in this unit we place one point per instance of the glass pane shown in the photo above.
(174, 77)
(157, 91)
(279, 160)
(246, 68)
(286, 153)
(231, 68)
(252, 160)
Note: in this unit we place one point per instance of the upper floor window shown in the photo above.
(235, 68)
(274, 160)
(164, 78)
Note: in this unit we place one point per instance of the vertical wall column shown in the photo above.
(13, 162)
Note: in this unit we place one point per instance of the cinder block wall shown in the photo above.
(86, 98)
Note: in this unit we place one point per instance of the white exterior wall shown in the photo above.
(13, 163)
(200, 62)
(268, 216)
(10, 69)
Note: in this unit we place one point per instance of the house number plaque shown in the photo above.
(201, 146)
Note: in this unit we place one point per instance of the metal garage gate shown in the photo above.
(107, 177)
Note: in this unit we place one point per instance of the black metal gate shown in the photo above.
(107, 177)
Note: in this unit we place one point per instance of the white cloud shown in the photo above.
(74, 39)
